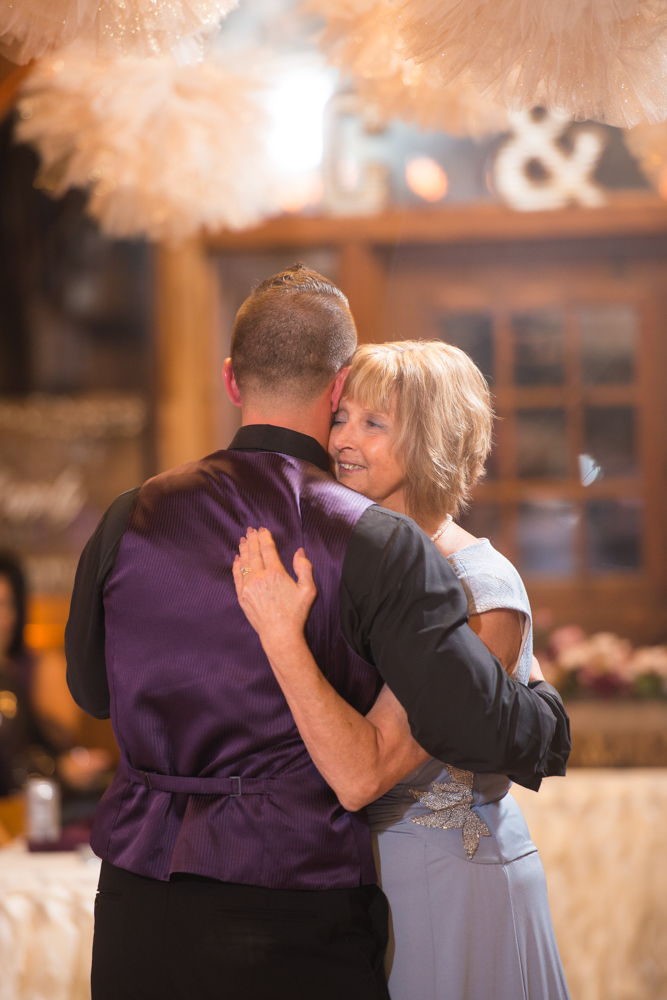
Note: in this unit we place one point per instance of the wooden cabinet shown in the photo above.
(571, 336)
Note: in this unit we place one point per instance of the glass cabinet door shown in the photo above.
(578, 439)
(575, 490)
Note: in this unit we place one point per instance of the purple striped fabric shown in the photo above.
(193, 695)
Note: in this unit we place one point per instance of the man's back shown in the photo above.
(192, 693)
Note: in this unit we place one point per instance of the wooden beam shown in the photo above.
(189, 364)
(11, 78)
(632, 213)
(361, 277)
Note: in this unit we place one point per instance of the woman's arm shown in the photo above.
(501, 631)
(360, 758)
(536, 671)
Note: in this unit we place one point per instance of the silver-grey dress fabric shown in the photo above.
(470, 914)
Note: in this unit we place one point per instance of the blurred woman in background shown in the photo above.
(38, 736)
(18, 729)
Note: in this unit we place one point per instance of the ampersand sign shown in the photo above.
(533, 170)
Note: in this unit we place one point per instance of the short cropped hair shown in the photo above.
(292, 335)
(444, 419)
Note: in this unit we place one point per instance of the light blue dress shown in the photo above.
(468, 898)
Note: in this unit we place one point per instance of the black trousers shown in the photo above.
(198, 939)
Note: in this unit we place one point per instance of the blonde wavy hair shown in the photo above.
(444, 419)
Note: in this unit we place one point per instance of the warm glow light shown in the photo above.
(296, 105)
(297, 193)
(662, 184)
(533, 172)
(44, 636)
(426, 178)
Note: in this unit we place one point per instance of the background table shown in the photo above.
(46, 925)
(623, 733)
(602, 837)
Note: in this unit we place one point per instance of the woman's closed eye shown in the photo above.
(341, 416)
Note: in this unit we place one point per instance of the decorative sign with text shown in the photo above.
(62, 462)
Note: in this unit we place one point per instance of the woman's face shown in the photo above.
(362, 445)
(7, 615)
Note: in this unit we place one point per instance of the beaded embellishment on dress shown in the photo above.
(451, 802)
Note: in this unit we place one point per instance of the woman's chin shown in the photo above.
(352, 480)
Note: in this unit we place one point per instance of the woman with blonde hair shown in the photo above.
(466, 888)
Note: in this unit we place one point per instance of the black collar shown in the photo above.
(266, 437)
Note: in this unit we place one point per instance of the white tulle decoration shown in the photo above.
(163, 150)
(602, 60)
(29, 29)
(360, 39)
(648, 143)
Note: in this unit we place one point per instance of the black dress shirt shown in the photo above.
(402, 608)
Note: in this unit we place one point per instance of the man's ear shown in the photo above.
(230, 383)
(338, 387)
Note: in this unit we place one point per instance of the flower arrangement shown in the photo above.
(604, 666)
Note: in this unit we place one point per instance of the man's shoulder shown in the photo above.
(232, 462)
(115, 518)
(383, 540)
(379, 526)
(236, 474)
(390, 563)
(118, 511)
(173, 480)
(322, 491)
(183, 479)
(382, 516)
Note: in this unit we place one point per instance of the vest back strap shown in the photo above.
(234, 786)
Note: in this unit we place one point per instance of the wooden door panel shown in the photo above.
(427, 287)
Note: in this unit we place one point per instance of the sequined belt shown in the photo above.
(233, 786)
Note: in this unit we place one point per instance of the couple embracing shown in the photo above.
(312, 792)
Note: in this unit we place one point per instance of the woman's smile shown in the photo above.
(362, 445)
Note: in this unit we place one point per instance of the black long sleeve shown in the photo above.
(85, 634)
(403, 608)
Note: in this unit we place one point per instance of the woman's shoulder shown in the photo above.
(489, 578)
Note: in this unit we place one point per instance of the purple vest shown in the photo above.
(214, 778)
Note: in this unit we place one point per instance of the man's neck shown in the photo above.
(316, 423)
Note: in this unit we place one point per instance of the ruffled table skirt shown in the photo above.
(601, 836)
(46, 925)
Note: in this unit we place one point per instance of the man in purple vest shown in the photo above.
(230, 870)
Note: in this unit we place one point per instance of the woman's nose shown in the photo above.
(343, 436)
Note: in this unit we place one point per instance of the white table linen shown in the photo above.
(601, 835)
(46, 925)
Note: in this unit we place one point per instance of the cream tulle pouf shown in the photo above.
(29, 29)
(164, 150)
(602, 60)
(361, 39)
